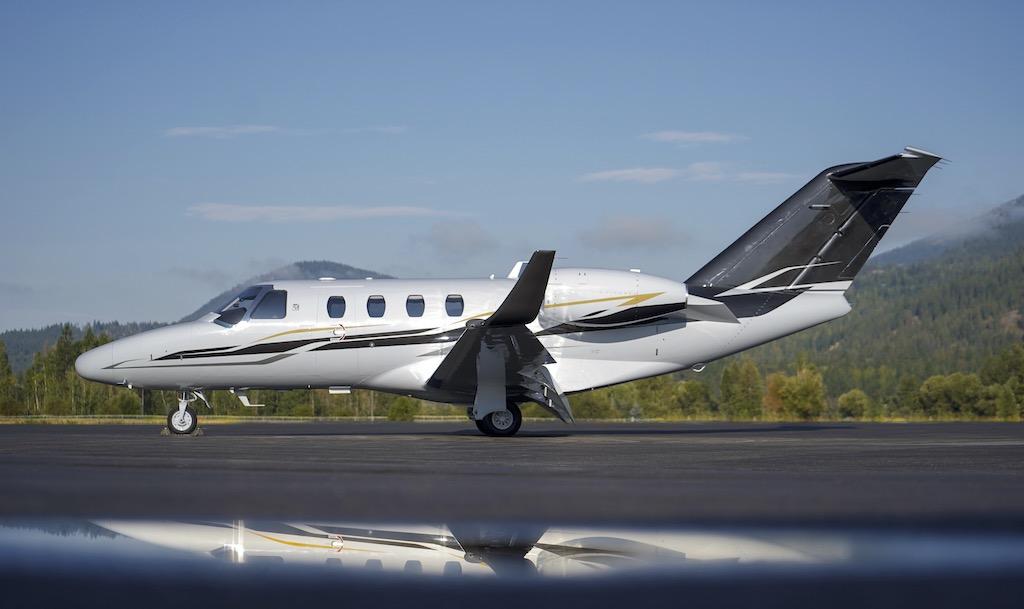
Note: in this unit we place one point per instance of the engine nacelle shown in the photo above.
(600, 298)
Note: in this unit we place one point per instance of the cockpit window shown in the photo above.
(273, 306)
(231, 317)
(234, 311)
(244, 299)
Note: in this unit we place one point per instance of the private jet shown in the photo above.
(538, 335)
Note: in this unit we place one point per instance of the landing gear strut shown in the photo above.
(501, 423)
(184, 419)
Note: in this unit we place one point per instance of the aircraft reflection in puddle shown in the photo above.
(471, 549)
(506, 550)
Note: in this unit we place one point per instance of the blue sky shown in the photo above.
(153, 154)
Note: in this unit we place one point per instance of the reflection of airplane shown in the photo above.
(539, 334)
(471, 549)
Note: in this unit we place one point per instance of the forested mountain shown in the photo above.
(936, 306)
(988, 232)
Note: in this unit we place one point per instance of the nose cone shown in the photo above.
(91, 364)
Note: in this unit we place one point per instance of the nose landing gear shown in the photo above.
(184, 419)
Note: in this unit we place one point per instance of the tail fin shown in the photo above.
(821, 236)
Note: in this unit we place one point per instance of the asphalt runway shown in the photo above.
(960, 474)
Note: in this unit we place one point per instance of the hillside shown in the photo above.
(935, 306)
(988, 233)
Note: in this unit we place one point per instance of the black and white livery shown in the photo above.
(541, 333)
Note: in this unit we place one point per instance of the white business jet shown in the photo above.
(536, 336)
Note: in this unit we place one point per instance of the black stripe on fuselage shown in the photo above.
(417, 339)
(278, 347)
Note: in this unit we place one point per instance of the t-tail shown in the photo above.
(817, 239)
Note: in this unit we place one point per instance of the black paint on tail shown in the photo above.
(823, 233)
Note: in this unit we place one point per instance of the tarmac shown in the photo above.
(949, 474)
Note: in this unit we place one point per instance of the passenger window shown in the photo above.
(375, 306)
(336, 307)
(414, 306)
(453, 305)
(273, 306)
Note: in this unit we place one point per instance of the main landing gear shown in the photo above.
(501, 423)
(184, 419)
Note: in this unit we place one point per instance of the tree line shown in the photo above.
(740, 389)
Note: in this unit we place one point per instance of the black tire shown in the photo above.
(190, 415)
(495, 424)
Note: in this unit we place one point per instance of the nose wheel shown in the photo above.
(184, 420)
(501, 423)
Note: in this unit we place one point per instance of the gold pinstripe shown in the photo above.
(632, 300)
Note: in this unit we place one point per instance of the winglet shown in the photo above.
(523, 303)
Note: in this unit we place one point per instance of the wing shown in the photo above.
(500, 352)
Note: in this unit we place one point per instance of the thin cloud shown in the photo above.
(642, 175)
(222, 132)
(457, 240)
(226, 212)
(696, 172)
(702, 171)
(765, 177)
(212, 277)
(693, 137)
(632, 233)
(382, 129)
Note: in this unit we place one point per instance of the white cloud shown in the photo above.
(223, 132)
(693, 137)
(643, 175)
(226, 212)
(765, 177)
(216, 278)
(383, 129)
(702, 171)
(457, 240)
(632, 233)
(696, 172)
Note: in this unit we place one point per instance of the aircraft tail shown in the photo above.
(818, 238)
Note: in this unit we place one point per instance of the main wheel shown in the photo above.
(182, 422)
(502, 423)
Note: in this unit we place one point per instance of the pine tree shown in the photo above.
(742, 390)
(8, 385)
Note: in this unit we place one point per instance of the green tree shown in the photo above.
(855, 404)
(593, 405)
(403, 409)
(1006, 405)
(8, 385)
(742, 390)
(772, 401)
(952, 395)
(803, 395)
(694, 398)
